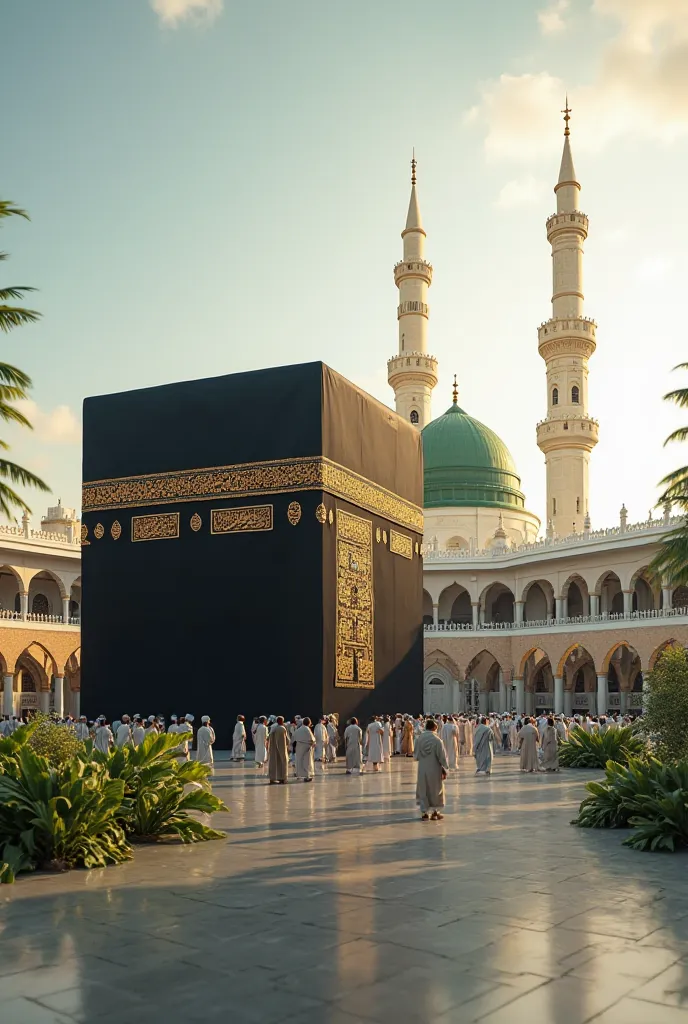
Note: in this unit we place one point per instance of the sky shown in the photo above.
(217, 186)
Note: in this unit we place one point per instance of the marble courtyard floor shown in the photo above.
(332, 903)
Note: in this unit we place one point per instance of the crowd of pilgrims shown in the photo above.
(131, 731)
(308, 747)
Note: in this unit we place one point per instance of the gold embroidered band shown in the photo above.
(355, 653)
(400, 544)
(248, 479)
(249, 519)
(161, 527)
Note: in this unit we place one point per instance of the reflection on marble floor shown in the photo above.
(332, 903)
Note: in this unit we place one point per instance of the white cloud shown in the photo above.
(526, 191)
(58, 426)
(638, 88)
(654, 268)
(551, 19)
(171, 12)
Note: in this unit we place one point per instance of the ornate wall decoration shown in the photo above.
(400, 544)
(417, 548)
(115, 530)
(294, 512)
(248, 479)
(378, 535)
(321, 514)
(247, 519)
(164, 526)
(330, 517)
(384, 536)
(99, 531)
(195, 522)
(355, 643)
(84, 535)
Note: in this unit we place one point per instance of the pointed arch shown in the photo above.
(438, 657)
(48, 574)
(567, 654)
(526, 656)
(658, 651)
(612, 651)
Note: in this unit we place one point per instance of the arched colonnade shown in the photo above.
(38, 678)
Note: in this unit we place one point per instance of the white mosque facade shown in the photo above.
(568, 621)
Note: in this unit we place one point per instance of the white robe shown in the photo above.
(353, 737)
(82, 732)
(185, 730)
(398, 733)
(204, 744)
(305, 742)
(375, 743)
(450, 738)
(239, 742)
(103, 739)
(123, 738)
(387, 740)
(321, 741)
(332, 741)
(138, 735)
(261, 743)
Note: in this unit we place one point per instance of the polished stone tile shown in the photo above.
(333, 903)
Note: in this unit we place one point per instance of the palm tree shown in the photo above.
(14, 386)
(671, 562)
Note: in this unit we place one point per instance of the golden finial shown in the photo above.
(455, 392)
(413, 167)
(567, 116)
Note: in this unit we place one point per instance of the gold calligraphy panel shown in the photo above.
(253, 478)
(164, 526)
(355, 638)
(247, 519)
(400, 544)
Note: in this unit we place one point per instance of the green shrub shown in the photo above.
(647, 796)
(594, 750)
(157, 799)
(58, 743)
(58, 817)
(665, 714)
(86, 812)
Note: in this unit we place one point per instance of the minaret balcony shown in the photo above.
(561, 335)
(559, 222)
(566, 431)
(413, 268)
(412, 306)
(416, 367)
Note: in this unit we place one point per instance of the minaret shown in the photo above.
(566, 342)
(413, 373)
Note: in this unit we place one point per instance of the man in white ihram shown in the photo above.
(124, 737)
(81, 729)
(185, 733)
(374, 744)
(205, 737)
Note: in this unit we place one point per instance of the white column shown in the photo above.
(559, 613)
(520, 695)
(667, 594)
(518, 612)
(435, 615)
(484, 702)
(565, 607)
(594, 604)
(558, 695)
(65, 609)
(568, 703)
(592, 702)
(529, 702)
(59, 696)
(628, 601)
(502, 692)
(624, 701)
(44, 701)
(455, 696)
(24, 605)
(601, 695)
(8, 695)
(76, 702)
(475, 608)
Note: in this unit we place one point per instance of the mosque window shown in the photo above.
(39, 605)
(555, 396)
(414, 416)
(575, 394)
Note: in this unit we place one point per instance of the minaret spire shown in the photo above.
(566, 342)
(412, 374)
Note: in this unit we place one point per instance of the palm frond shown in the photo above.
(13, 376)
(10, 414)
(8, 209)
(19, 475)
(17, 291)
(16, 316)
(678, 397)
(677, 435)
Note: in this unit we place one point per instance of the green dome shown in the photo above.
(466, 464)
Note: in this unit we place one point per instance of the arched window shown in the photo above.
(575, 394)
(414, 416)
(39, 605)
(555, 396)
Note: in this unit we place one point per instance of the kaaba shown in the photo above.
(251, 545)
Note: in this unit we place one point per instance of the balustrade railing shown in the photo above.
(572, 620)
(5, 613)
